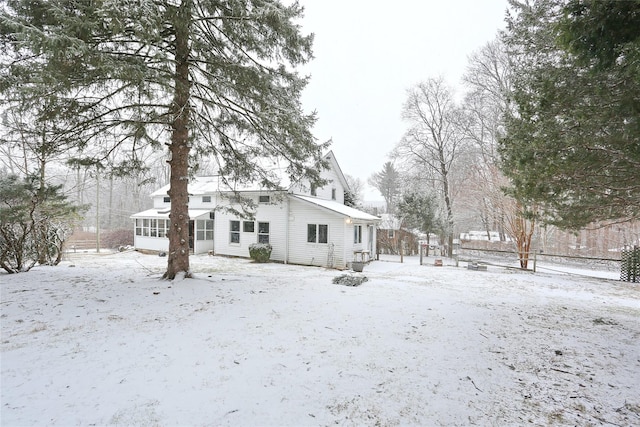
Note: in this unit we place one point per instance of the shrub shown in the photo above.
(116, 238)
(349, 280)
(260, 252)
(35, 220)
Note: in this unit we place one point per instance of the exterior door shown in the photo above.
(191, 229)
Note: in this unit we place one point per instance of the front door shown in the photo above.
(371, 240)
(191, 227)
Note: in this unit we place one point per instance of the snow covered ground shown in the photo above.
(101, 340)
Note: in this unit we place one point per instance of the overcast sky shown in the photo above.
(369, 52)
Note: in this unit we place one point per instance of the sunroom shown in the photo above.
(151, 228)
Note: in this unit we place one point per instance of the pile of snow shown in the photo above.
(108, 342)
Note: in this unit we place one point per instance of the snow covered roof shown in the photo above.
(213, 184)
(337, 208)
(164, 213)
(276, 172)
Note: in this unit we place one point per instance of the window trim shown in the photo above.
(233, 232)
(317, 235)
(204, 229)
(244, 226)
(261, 234)
(326, 233)
(152, 227)
(357, 234)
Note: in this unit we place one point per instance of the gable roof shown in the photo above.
(217, 184)
(336, 168)
(336, 207)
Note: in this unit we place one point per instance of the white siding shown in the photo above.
(275, 214)
(333, 184)
(325, 192)
(151, 243)
(302, 252)
(159, 203)
(195, 202)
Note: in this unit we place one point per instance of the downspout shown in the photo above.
(345, 239)
(286, 231)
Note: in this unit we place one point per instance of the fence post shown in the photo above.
(535, 260)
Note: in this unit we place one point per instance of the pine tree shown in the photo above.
(387, 181)
(419, 211)
(204, 77)
(572, 144)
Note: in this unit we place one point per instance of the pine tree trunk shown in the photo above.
(178, 256)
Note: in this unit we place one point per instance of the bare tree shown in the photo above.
(434, 139)
(354, 194)
(489, 80)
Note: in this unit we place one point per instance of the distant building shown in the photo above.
(392, 236)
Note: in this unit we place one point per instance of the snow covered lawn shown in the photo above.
(101, 340)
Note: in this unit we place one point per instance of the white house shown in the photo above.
(302, 228)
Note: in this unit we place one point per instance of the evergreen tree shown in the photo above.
(419, 211)
(387, 181)
(204, 77)
(572, 144)
(35, 220)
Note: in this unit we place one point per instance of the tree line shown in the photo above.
(547, 132)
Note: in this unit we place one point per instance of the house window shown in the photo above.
(390, 234)
(263, 232)
(206, 199)
(317, 233)
(248, 226)
(166, 199)
(357, 234)
(204, 229)
(264, 199)
(323, 233)
(312, 233)
(333, 194)
(149, 227)
(234, 234)
(162, 227)
(208, 227)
